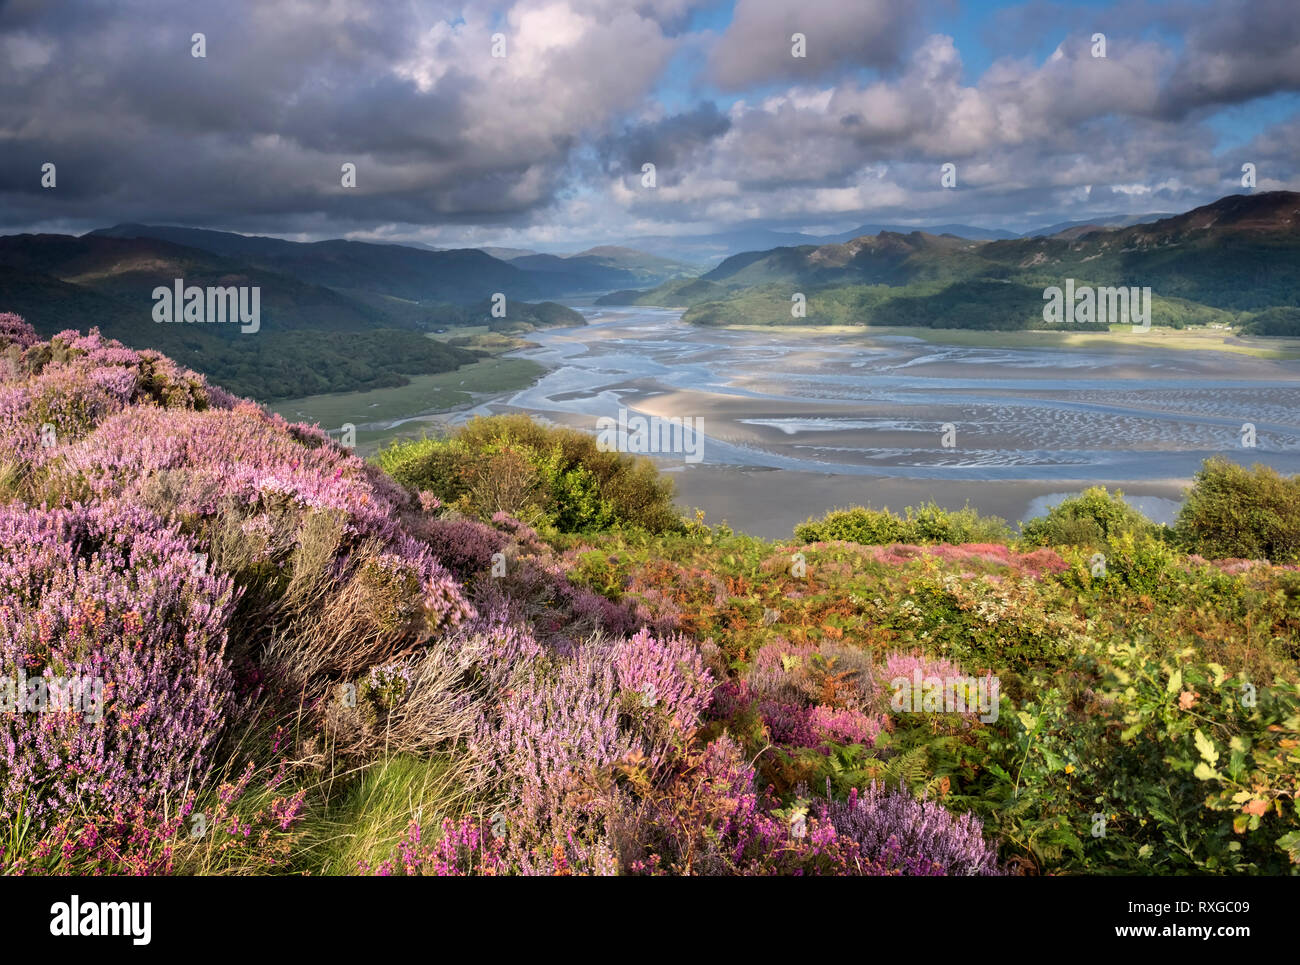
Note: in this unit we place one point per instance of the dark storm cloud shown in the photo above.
(1236, 51)
(668, 142)
(257, 131)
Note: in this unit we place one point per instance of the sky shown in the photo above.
(546, 146)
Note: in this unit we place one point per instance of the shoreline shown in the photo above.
(1117, 340)
(769, 503)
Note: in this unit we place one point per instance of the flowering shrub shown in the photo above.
(16, 332)
(111, 594)
(559, 721)
(537, 591)
(133, 839)
(712, 819)
(462, 848)
(463, 546)
(705, 818)
(73, 381)
(844, 725)
(665, 673)
(326, 546)
(892, 833)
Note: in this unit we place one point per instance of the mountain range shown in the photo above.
(711, 248)
(342, 315)
(335, 315)
(1240, 254)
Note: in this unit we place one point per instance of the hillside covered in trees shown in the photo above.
(1226, 263)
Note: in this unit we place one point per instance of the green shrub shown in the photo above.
(1199, 766)
(1234, 512)
(1092, 518)
(1148, 763)
(928, 524)
(1130, 561)
(553, 477)
(432, 464)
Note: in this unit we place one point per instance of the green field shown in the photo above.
(424, 394)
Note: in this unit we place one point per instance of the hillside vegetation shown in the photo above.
(316, 334)
(1233, 262)
(313, 664)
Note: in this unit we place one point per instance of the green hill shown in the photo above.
(1239, 254)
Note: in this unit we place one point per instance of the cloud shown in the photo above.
(756, 47)
(451, 142)
(1236, 50)
(257, 130)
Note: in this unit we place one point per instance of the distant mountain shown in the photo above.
(722, 245)
(573, 276)
(884, 258)
(506, 254)
(968, 232)
(128, 269)
(311, 338)
(712, 248)
(632, 260)
(1241, 253)
(458, 276)
(605, 267)
(672, 294)
(338, 315)
(277, 362)
(1077, 229)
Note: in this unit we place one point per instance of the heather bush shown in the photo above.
(892, 833)
(667, 675)
(705, 818)
(710, 818)
(463, 546)
(596, 757)
(234, 837)
(115, 595)
(537, 591)
(334, 578)
(458, 849)
(560, 719)
(15, 332)
(66, 386)
(784, 673)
